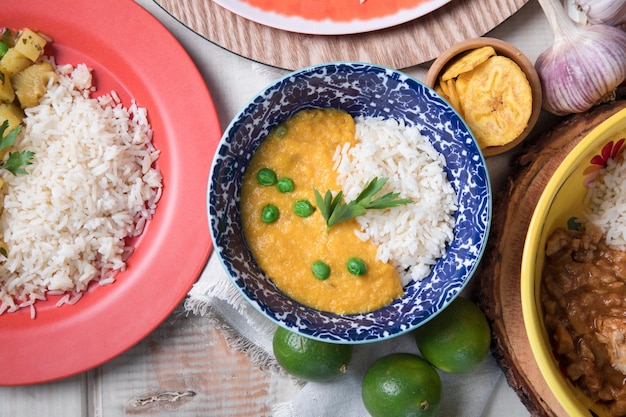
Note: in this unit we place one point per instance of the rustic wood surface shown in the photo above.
(402, 46)
(185, 367)
(498, 291)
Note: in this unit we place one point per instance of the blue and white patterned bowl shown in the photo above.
(359, 89)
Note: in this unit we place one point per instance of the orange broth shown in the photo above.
(337, 10)
(302, 149)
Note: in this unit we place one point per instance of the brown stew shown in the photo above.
(583, 294)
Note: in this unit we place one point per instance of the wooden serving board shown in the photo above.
(402, 46)
(498, 289)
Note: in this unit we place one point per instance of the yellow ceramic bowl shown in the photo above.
(562, 199)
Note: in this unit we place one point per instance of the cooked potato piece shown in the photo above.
(13, 113)
(14, 61)
(30, 84)
(30, 44)
(7, 94)
(8, 36)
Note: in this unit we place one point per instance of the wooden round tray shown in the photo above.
(402, 46)
(498, 289)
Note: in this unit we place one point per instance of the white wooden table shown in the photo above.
(185, 367)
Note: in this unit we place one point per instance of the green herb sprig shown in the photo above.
(16, 160)
(334, 211)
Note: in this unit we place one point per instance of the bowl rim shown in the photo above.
(268, 87)
(530, 301)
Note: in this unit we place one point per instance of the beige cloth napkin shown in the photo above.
(216, 297)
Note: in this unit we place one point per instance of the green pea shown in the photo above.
(285, 185)
(321, 270)
(4, 48)
(266, 176)
(303, 208)
(281, 131)
(269, 213)
(356, 266)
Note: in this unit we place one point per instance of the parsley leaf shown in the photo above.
(334, 211)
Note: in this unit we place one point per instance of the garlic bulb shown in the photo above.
(608, 12)
(584, 65)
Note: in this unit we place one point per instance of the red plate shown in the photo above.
(134, 54)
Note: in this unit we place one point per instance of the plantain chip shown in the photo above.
(453, 96)
(440, 91)
(468, 62)
(462, 81)
(497, 101)
(445, 89)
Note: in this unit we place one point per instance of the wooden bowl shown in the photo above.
(504, 49)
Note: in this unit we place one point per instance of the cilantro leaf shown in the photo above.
(388, 201)
(9, 139)
(324, 204)
(371, 189)
(16, 161)
(344, 212)
(334, 211)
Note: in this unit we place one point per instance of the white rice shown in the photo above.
(605, 203)
(410, 237)
(92, 184)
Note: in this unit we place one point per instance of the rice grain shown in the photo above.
(410, 237)
(92, 185)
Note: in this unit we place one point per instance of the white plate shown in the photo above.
(331, 17)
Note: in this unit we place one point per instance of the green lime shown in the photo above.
(309, 359)
(457, 339)
(401, 385)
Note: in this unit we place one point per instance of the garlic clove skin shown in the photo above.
(583, 65)
(608, 12)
